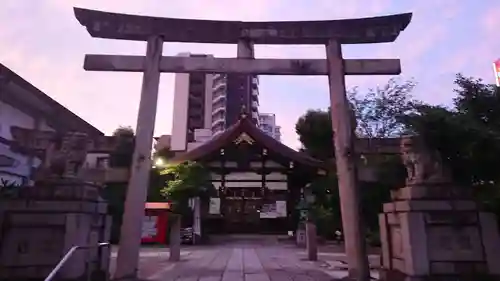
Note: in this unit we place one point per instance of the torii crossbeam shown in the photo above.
(156, 31)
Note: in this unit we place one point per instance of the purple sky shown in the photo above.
(43, 42)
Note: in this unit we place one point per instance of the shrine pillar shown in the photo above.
(130, 237)
(344, 137)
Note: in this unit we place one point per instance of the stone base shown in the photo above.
(428, 233)
(393, 275)
(43, 222)
(300, 237)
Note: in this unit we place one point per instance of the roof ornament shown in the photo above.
(244, 137)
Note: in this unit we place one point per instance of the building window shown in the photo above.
(102, 162)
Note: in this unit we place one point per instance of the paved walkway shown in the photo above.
(241, 261)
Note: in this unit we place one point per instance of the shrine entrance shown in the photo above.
(242, 214)
(332, 34)
(258, 179)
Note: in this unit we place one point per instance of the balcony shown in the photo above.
(218, 84)
(218, 112)
(255, 104)
(255, 115)
(255, 80)
(217, 95)
(255, 92)
(217, 121)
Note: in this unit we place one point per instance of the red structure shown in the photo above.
(155, 223)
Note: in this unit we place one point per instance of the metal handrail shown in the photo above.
(68, 255)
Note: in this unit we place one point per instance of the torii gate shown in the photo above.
(156, 31)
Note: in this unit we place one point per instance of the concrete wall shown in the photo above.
(181, 109)
(179, 118)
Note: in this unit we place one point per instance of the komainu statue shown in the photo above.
(64, 157)
(422, 165)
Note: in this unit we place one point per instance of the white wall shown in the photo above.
(209, 78)
(268, 125)
(179, 118)
(10, 116)
(181, 103)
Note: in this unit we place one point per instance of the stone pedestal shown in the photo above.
(428, 234)
(175, 238)
(311, 242)
(300, 236)
(41, 223)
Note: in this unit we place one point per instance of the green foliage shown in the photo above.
(121, 156)
(157, 182)
(124, 131)
(376, 114)
(315, 133)
(326, 208)
(186, 180)
(378, 111)
(467, 135)
(114, 194)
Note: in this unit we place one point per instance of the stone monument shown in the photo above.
(432, 229)
(42, 222)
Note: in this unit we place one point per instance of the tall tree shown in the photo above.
(378, 110)
(315, 133)
(468, 134)
(187, 180)
(122, 155)
(376, 114)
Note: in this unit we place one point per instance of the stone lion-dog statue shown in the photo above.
(64, 157)
(422, 165)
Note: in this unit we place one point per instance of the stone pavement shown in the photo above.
(241, 261)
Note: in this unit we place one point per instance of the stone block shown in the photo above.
(44, 222)
(431, 192)
(311, 242)
(429, 238)
(301, 237)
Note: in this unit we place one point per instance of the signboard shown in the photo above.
(149, 227)
(496, 69)
(273, 210)
(154, 228)
(281, 209)
(214, 208)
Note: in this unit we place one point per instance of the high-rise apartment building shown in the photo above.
(192, 118)
(267, 123)
(233, 93)
(207, 104)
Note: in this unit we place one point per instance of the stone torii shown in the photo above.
(155, 31)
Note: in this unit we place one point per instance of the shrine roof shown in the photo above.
(348, 31)
(22, 95)
(246, 126)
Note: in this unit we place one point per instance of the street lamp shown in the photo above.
(159, 163)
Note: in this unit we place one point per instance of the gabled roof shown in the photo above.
(21, 94)
(245, 125)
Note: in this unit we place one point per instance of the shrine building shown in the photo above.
(259, 180)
